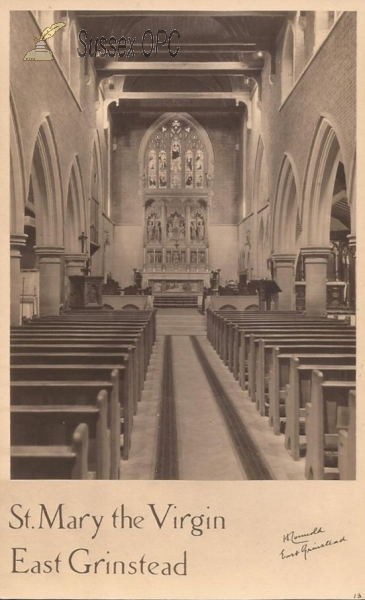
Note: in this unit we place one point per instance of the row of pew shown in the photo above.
(300, 372)
(75, 384)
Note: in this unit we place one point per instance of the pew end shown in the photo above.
(53, 462)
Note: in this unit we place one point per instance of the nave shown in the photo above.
(215, 403)
(219, 182)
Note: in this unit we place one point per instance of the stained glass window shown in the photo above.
(176, 157)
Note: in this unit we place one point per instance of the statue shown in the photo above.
(200, 229)
(192, 230)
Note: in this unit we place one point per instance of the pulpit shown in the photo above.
(85, 291)
(266, 288)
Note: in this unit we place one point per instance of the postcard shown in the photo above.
(182, 334)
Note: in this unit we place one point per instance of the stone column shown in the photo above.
(352, 270)
(315, 261)
(17, 242)
(49, 263)
(284, 276)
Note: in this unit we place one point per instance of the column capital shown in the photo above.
(55, 251)
(315, 253)
(17, 240)
(285, 259)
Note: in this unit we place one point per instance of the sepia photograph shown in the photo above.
(182, 205)
(183, 241)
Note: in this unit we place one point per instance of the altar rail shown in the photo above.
(123, 302)
(235, 302)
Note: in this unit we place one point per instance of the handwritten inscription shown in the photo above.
(303, 544)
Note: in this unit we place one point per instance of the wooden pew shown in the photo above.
(106, 330)
(234, 348)
(112, 317)
(347, 443)
(72, 392)
(299, 393)
(98, 352)
(280, 369)
(39, 424)
(145, 319)
(260, 358)
(52, 462)
(74, 372)
(261, 332)
(231, 334)
(81, 371)
(327, 411)
(223, 319)
(142, 327)
(69, 356)
(93, 339)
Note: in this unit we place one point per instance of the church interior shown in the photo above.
(183, 245)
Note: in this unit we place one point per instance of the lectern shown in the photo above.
(266, 288)
(85, 291)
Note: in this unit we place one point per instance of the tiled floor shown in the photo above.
(206, 451)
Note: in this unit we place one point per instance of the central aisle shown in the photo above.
(205, 447)
(194, 422)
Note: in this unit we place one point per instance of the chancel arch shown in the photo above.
(176, 174)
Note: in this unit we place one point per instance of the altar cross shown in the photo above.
(83, 239)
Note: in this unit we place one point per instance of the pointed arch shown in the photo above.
(287, 61)
(352, 193)
(193, 123)
(75, 209)
(96, 191)
(97, 179)
(47, 188)
(260, 249)
(324, 158)
(261, 177)
(284, 233)
(17, 181)
(74, 61)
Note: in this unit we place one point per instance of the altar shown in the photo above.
(176, 283)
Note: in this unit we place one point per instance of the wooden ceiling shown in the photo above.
(218, 50)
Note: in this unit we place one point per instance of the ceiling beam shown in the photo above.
(247, 44)
(179, 13)
(167, 68)
(237, 96)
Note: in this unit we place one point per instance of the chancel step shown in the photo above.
(175, 301)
